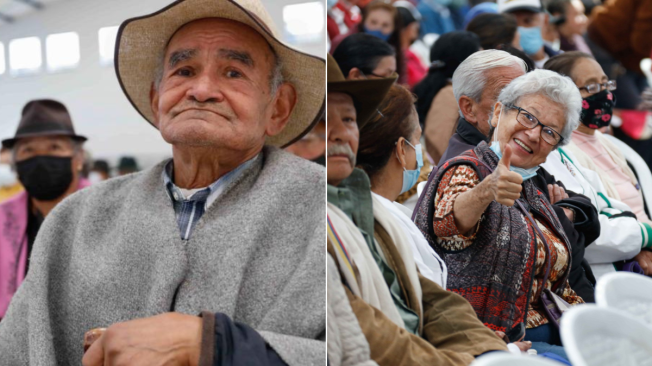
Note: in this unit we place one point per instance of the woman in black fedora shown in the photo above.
(48, 157)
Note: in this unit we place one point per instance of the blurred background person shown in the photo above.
(381, 20)
(409, 33)
(99, 172)
(127, 165)
(312, 146)
(531, 19)
(494, 30)
(9, 184)
(362, 56)
(378, 19)
(436, 16)
(567, 26)
(436, 105)
(48, 157)
(482, 8)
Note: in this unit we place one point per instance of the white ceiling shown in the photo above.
(11, 11)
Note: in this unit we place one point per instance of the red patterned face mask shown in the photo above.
(597, 109)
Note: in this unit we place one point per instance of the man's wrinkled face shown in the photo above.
(496, 80)
(215, 87)
(342, 137)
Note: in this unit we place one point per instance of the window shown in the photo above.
(304, 23)
(107, 37)
(2, 58)
(25, 56)
(62, 51)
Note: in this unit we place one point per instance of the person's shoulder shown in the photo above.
(293, 170)
(113, 190)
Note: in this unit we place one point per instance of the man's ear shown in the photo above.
(153, 103)
(284, 103)
(355, 74)
(466, 106)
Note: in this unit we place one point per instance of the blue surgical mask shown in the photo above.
(410, 177)
(525, 173)
(531, 39)
(330, 4)
(377, 33)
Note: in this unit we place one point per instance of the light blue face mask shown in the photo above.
(377, 33)
(410, 177)
(330, 4)
(525, 173)
(495, 147)
(531, 39)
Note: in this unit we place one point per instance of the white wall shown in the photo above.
(91, 92)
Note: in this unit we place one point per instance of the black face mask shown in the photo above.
(45, 178)
(597, 109)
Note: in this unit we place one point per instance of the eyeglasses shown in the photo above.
(597, 87)
(528, 120)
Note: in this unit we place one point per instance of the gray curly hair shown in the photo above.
(558, 88)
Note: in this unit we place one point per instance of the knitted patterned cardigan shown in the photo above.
(494, 274)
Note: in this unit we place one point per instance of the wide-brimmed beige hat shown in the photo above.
(141, 42)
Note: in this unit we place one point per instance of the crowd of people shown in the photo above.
(468, 202)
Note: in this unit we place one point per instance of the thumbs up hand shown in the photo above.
(504, 183)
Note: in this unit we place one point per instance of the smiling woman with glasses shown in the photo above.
(501, 239)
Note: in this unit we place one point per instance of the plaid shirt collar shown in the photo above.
(189, 210)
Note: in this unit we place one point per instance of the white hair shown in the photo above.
(558, 88)
(469, 78)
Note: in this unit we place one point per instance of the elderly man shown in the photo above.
(231, 226)
(406, 318)
(496, 69)
(476, 85)
(531, 19)
(48, 157)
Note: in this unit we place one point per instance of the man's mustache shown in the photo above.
(341, 149)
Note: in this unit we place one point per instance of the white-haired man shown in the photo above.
(231, 227)
(476, 85)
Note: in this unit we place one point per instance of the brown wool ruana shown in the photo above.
(495, 274)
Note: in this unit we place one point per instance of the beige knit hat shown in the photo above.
(141, 41)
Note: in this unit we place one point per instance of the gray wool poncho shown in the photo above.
(113, 252)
